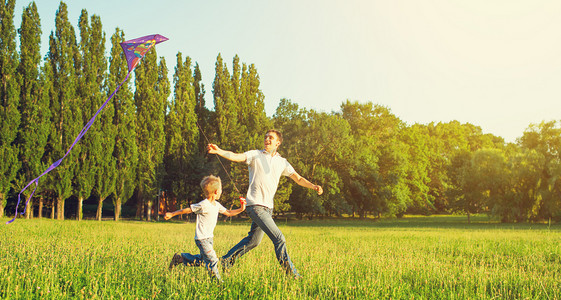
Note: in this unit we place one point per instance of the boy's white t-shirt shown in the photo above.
(264, 175)
(207, 215)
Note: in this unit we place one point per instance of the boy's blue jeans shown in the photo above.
(207, 256)
(263, 222)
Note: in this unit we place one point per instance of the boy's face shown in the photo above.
(218, 193)
(271, 142)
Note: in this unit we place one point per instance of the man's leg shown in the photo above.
(252, 240)
(209, 257)
(263, 216)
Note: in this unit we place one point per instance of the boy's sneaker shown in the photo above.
(176, 260)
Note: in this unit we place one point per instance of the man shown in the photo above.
(265, 168)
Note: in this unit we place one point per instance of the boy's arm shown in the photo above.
(233, 212)
(301, 181)
(170, 215)
(229, 155)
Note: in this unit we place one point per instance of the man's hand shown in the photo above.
(213, 149)
(318, 189)
(168, 216)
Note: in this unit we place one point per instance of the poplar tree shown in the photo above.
(46, 190)
(34, 102)
(229, 134)
(105, 178)
(152, 89)
(251, 117)
(125, 152)
(163, 89)
(225, 118)
(238, 104)
(88, 94)
(9, 101)
(253, 106)
(204, 115)
(182, 134)
(65, 107)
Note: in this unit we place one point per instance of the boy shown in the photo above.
(207, 215)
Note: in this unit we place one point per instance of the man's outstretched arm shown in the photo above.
(301, 181)
(229, 155)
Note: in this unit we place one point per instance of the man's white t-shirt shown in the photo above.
(264, 175)
(207, 215)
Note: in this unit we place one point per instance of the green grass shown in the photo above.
(410, 258)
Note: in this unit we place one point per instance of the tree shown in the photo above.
(204, 115)
(124, 119)
(65, 106)
(545, 139)
(9, 101)
(522, 190)
(331, 139)
(329, 135)
(34, 102)
(446, 141)
(46, 191)
(252, 121)
(376, 176)
(182, 134)
(414, 139)
(484, 180)
(225, 107)
(252, 114)
(289, 119)
(105, 178)
(91, 80)
(230, 133)
(152, 90)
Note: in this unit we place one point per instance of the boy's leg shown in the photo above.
(263, 216)
(209, 257)
(252, 240)
(175, 260)
(189, 259)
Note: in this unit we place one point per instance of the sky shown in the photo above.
(495, 64)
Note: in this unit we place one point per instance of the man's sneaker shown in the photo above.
(176, 260)
(225, 262)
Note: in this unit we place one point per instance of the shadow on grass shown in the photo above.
(437, 221)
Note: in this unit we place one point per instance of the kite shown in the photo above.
(134, 50)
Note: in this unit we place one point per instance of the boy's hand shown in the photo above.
(168, 216)
(318, 189)
(242, 203)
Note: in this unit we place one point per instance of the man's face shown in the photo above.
(272, 141)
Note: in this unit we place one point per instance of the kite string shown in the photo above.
(223, 167)
(57, 163)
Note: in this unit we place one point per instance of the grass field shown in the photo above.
(439, 257)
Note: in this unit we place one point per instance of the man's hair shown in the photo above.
(210, 184)
(278, 133)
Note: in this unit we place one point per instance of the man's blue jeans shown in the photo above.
(263, 222)
(207, 256)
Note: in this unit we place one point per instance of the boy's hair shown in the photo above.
(210, 184)
(278, 133)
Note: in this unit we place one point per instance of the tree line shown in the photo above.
(152, 137)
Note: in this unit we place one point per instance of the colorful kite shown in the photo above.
(134, 50)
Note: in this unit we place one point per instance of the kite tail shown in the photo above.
(57, 163)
